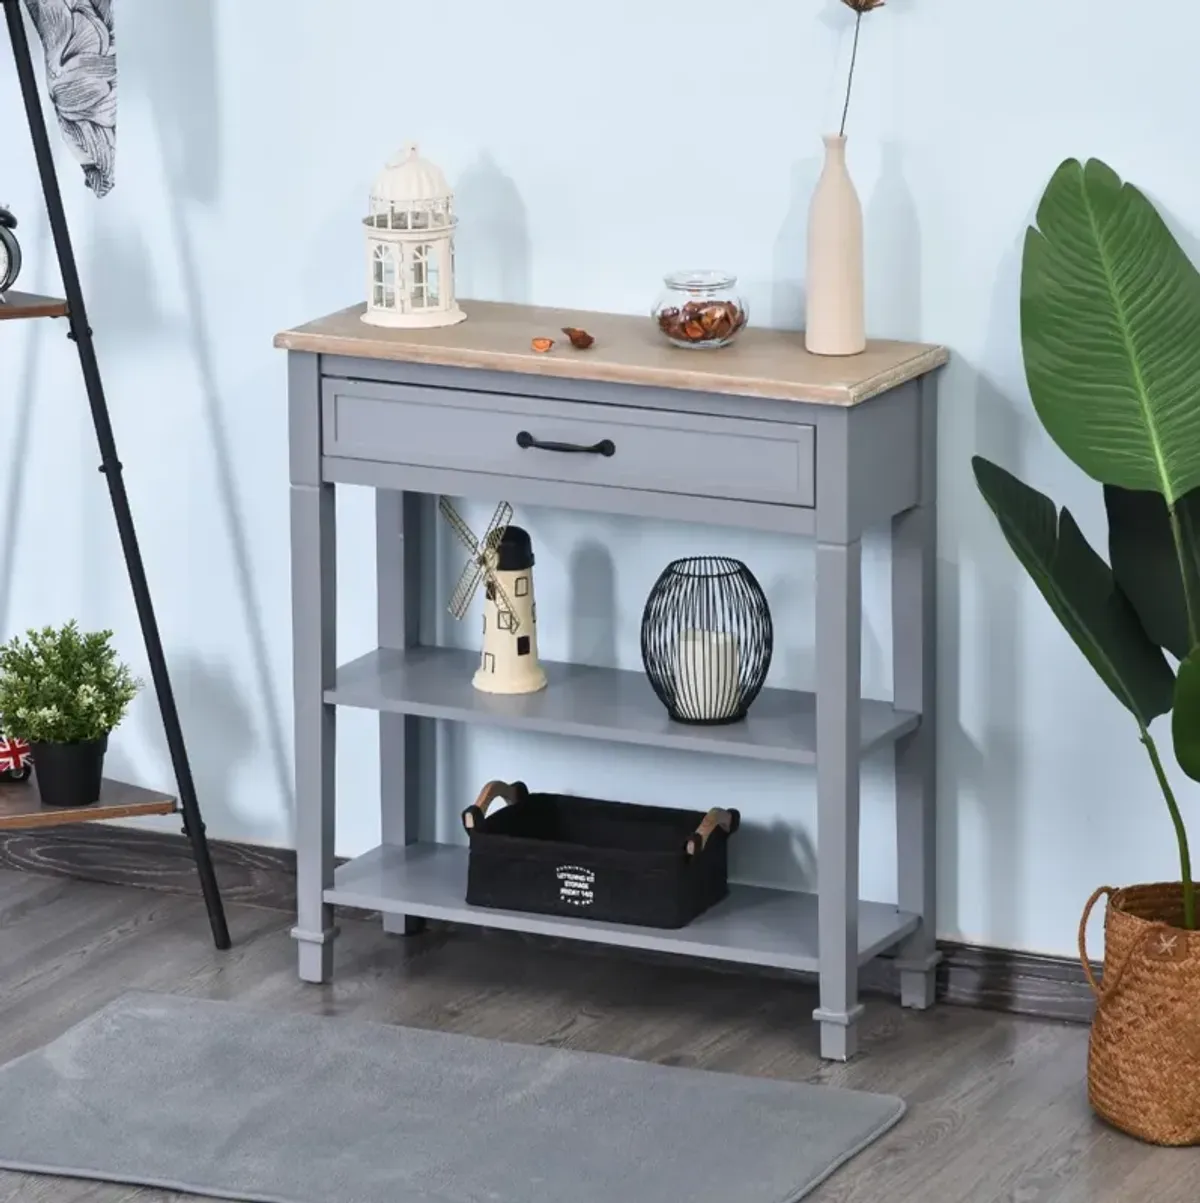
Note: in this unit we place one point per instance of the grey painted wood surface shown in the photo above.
(753, 926)
(914, 675)
(595, 703)
(828, 470)
(600, 499)
(407, 741)
(665, 452)
(839, 685)
(314, 604)
(997, 1110)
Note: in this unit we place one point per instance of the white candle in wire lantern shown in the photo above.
(706, 675)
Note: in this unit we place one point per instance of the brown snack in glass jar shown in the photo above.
(702, 321)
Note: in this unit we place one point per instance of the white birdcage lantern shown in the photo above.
(410, 246)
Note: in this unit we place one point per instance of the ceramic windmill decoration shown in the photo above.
(503, 560)
(410, 246)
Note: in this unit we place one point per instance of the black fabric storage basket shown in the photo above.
(650, 866)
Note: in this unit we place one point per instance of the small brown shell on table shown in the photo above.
(541, 345)
(580, 339)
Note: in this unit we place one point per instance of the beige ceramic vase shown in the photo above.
(835, 323)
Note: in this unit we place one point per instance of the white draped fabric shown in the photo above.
(81, 73)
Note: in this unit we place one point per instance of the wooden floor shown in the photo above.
(997, 1107)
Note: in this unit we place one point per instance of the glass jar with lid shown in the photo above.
(701, 310)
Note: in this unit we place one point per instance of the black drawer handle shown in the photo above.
(604, 447)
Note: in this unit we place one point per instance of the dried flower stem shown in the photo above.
(850, 81)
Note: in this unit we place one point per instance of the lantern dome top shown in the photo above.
(409, 179)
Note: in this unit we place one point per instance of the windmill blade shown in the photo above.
(495, 529)
(503, 601)
(484, 554)
(464, 591)
(458, 526)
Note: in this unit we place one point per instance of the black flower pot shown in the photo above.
(69, 774)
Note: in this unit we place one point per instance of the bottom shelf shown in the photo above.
(753, 926)
(20, 806)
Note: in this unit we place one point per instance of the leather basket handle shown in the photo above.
(511, 793)
(727, 820)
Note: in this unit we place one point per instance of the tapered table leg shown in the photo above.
(914, 641)
(839, 642)
(314, 629)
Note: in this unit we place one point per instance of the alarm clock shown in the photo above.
(10, 251)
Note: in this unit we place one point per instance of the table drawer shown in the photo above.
(626, 447)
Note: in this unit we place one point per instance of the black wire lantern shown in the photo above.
(707, 639)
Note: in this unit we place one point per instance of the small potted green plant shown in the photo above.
(63, 690)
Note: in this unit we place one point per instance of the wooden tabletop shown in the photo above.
(20, 806)
(628, 350)
(27, 304)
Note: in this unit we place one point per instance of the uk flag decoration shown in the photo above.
(15, 758)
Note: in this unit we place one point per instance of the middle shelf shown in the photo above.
(611, 704)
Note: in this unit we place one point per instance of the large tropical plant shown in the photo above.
(1110, 331)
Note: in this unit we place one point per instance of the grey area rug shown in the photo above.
(270, 1107)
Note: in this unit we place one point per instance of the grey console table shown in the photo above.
(758, 435)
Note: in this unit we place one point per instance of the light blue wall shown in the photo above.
(593, 147)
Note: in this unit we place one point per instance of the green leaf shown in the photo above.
(1079, 587)
(1110, 326)
(1147, 565)
(1185, 720)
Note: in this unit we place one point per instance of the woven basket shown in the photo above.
(1144, 1052)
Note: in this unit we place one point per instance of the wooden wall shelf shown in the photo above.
(20, 806)
(19, 305)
